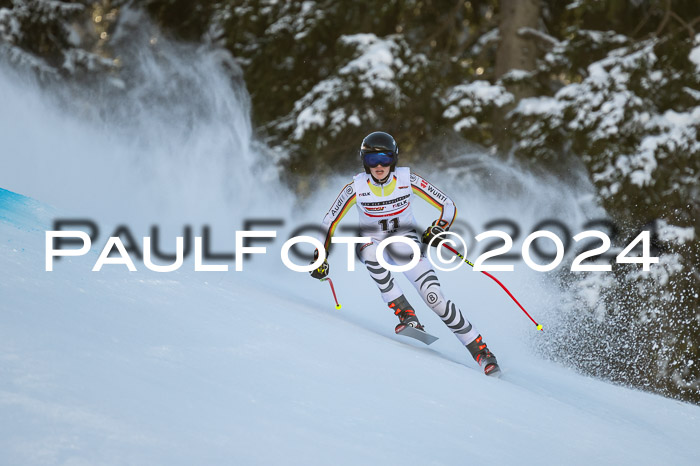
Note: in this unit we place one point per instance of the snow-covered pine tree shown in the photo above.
(54, 38)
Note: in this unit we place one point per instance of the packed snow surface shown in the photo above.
(258, 367)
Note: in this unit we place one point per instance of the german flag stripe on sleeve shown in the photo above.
(331, 230)
(427, 197)
(448, 211)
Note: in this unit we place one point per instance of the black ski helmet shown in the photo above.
(379, 141)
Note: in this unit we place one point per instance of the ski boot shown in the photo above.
(407, 316)
(484, 357)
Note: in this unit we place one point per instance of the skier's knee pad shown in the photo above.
(366, 252)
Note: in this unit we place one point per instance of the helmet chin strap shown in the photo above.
(383, 180)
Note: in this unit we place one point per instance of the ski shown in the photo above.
(412, 332)
(493, 371)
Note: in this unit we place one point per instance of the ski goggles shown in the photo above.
(373, 159)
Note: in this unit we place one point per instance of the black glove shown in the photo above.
(431, 232)
(321, 272)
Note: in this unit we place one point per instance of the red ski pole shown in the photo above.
(330, 282)
(539, 327)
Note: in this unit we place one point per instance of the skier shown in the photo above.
(384, 195)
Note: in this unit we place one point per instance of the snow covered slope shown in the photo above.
(257, 367)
